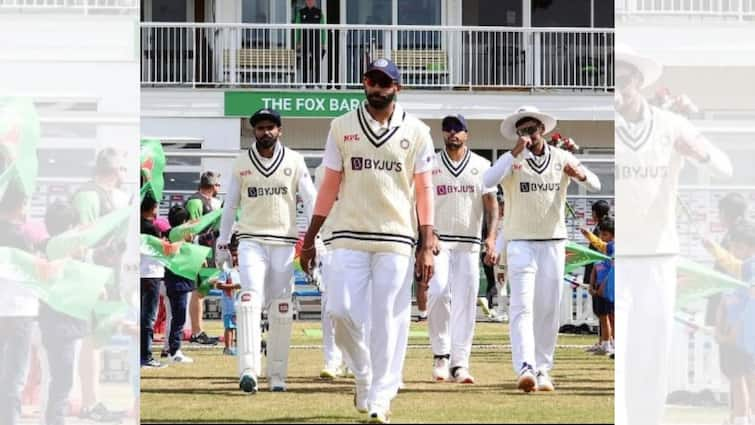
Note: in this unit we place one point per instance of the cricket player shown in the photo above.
(264, 183)
(535, 178)
(334, 361)
(652, 146)
(380, 159)
(461, 202)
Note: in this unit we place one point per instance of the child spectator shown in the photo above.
(177, 289)
(600, 209)
(599, 283)
(151, 273)
(230, 282)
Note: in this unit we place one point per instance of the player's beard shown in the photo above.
(454, 144)
(266, 142)
(378, 101)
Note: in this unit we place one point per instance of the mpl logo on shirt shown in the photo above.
(525, 187)
(256, 192)
(359, 164)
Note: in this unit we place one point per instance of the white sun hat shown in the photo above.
(508, 126)
(648, 68)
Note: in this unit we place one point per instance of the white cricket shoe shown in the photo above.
(379, 415)
(462, 376)
(180, 357)
(277, 384)
(526, 381)
(329, 373)
(440, 369)
(544, 382)
(360, 398)
(483, 303)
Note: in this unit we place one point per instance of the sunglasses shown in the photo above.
(527, 131)
(455, 127)
(381, 81)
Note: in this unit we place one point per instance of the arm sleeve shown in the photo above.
(232, 198)
(328, 193)
(423, 160)
(727, 260)
(718, 163)
(591, 183)
(423, 187)
(332, 157)
(488, 189)
(597, 242)
(498, 171)
(306, 190)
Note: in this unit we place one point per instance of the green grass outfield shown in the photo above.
(207, 390)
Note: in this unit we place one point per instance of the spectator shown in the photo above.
(20, 309)
(230, 283)
(600, 287)
(177, 289)
(202, 202)
(150, 276)
(600, 209)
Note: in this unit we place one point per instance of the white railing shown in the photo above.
(77, 5)
(729, 9)
(301, 55)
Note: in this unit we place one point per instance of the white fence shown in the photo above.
(732, 9)
(307, 55)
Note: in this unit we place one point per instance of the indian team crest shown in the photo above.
(404, 143)
(287, 171)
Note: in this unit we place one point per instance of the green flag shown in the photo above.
(89, 235)
(196, 227)
(205, 277)
(153, 166)
(695, 282)
(194, 207)
(68, 286)
(78, 289)
(186, 262)
(579, 256)
(107, 316)
(19, 137)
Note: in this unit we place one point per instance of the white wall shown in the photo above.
(217, 133)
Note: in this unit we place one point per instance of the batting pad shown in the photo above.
(280, 316)
(248, 314)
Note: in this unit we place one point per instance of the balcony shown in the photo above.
(732, 10)
(294, 56)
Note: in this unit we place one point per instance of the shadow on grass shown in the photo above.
(284, 419)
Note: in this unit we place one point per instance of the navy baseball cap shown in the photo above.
(457, 117)
(387, 67)
(265, 114)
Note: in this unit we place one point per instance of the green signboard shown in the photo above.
(292, 104)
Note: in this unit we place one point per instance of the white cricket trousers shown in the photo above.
(536, 275)
(266, 271)
(452, 304)
(331, 352)
(369, 302)
(645, 295)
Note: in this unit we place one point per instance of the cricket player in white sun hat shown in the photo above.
(535, 178)
(652, 147)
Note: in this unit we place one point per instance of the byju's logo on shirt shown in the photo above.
(256, 192)
(447, 189)
(359, 164)
(539, 187)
